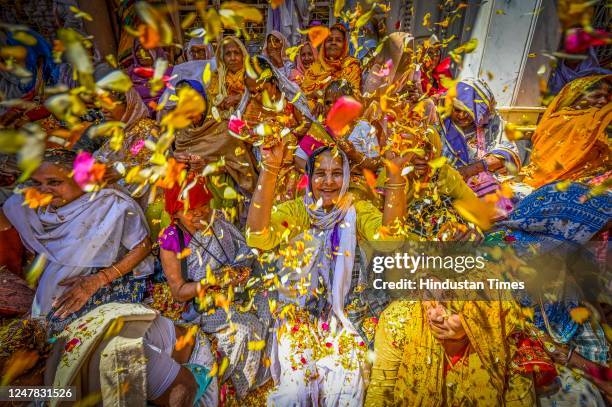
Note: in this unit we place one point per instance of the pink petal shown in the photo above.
(136, 147)
(83, 163)
(344, 111)
(236, 125)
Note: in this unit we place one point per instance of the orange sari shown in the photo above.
(325, 70)
(570, 143)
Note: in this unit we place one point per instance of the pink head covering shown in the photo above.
(298, 59)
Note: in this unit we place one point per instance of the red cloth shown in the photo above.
(197, 196)
(11, 251)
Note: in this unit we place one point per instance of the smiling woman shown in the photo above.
(94, 245)
(333, 63)
(319, 266)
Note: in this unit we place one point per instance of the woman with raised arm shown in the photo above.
(320, 341)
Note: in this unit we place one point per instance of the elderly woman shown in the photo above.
(433, 67)
(92, 247)
(454, 353)
(274, 49)
(571, 141)
(304, 59)
(556, 223)
(318, 342)
(266, 102)
(333, 63)
(475, 141)
(210, 140)
(219, 257)
(198, 56)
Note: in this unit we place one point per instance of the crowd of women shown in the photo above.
(245, 279)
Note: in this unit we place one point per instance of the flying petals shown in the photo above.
(35, 199)
(344, 111)
(317, 35)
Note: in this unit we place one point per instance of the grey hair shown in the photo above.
(61, 157)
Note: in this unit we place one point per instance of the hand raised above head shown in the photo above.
(272, 156)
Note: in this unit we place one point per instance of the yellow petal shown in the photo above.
(206, 75)
(256, 345)
(36, 269)
(437, 162)
(116, 81)
(580, 314)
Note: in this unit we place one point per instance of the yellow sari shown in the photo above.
(570, 143)
(325, 70)
(409, 369)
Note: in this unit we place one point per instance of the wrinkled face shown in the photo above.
(307, 56)
(195, 218)
(598, 97)
(232, 57)
(327, 179)
(334, 44)
(274, 44)
(198, 52)
(55, 180)
(461, 118)
(144, 58)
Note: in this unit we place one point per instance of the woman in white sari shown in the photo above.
(319, 344)
(93, 247)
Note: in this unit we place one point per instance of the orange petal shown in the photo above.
(317, 35)
(344, 111)
(580, 314)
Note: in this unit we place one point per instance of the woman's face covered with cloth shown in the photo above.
(327, 178)
(54, 179)
(597, 96)
(197, 214)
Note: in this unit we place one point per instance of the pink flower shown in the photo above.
(303, 360)
(86, 170)
(136, 147)
(82, 166)
(329, 344)
(577, 40)
(325, 326)
(236, 126)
